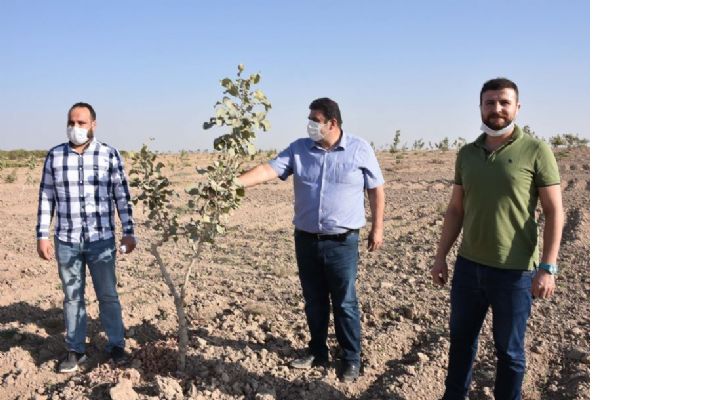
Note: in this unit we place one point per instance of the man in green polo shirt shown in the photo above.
(498, 181)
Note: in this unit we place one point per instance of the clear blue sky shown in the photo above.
(152, 68)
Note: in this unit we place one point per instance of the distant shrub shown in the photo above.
(557, 141)
(18, 158)
(11, 177)
(568, 140)
(573, 140)
(443, 145)
(394, 147)
(31, 164)
(184, 158)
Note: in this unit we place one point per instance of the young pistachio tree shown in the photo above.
(243, 110)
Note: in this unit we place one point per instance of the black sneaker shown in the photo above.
(118, 356)
(309, 361)
(350, 372)
(71, 362)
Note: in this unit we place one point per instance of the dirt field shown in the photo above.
(246, 310)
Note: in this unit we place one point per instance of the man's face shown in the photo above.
(499, 108)
(328, 126)
(81, 118)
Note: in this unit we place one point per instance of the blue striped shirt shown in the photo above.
(329, 185)
(83, 190)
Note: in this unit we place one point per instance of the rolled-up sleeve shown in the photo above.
(371, 168)
(283, 163)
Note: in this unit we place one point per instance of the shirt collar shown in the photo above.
(91, 147)
(340, 145)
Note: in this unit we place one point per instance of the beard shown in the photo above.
(492, 121)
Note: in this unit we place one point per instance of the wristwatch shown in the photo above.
(551, 268)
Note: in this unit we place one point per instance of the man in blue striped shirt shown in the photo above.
(331, 171)
(82, 183)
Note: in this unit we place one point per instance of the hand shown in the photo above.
(44, 249)
(440, 272)
(374, 239)
(543, 284)
(129, 242)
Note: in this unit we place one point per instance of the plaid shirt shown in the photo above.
(83, 189)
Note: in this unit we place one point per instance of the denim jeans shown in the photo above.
(72, 259)
(328, 269)
(475, 288)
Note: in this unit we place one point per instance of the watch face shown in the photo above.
(551, 268)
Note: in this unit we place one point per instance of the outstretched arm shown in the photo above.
(259, 174)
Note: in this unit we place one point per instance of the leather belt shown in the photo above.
(326, 236)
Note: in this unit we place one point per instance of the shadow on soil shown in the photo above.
(51, 347)
(202, 371)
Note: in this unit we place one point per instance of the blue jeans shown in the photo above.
(328, 269)
(474, 288)
(72, 259)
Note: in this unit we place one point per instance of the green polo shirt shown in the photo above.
(500, 197)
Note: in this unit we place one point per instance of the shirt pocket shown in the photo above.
(101, 171)
(348, 173)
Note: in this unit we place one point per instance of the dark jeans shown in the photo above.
(328, 269)
(474, 288)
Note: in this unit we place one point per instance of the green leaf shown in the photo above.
(259, 95)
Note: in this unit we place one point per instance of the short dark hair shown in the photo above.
(498, 84)
(83, 105)
(329, 108)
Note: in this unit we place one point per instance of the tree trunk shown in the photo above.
(179, 306)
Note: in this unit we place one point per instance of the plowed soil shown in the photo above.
(246, 310)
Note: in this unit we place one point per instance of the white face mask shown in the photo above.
(77, 136)
(500, 132)
(314, 131)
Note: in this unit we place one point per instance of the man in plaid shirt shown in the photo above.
(82, 181)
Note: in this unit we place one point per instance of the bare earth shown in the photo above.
(246, 310)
